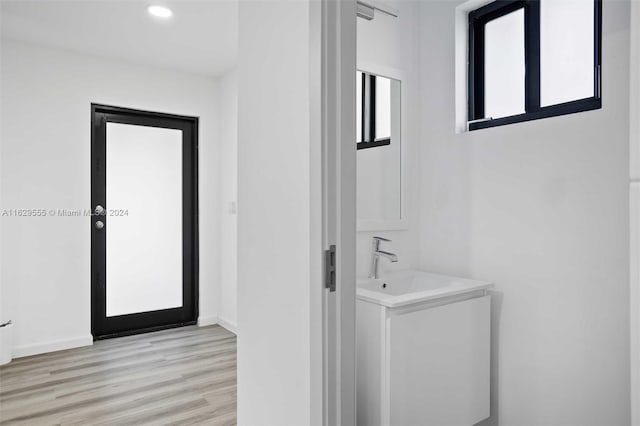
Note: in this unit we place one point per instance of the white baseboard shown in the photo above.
(231, 326)
(52, 346)
(60, 345)
(228, 325)
(205, 321)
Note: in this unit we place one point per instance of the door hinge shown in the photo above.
(330, 268)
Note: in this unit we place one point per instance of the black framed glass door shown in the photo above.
(144, 223)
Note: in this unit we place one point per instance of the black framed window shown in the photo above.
(532, 59)
(373, 111)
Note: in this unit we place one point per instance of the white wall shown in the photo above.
(46, 97)
(278, 231)
(394, 42)
(541, 209)
(228, 113)
(3, 300)
(634, 161)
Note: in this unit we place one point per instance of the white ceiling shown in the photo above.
(201, 37)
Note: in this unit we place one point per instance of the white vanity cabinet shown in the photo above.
(424, 363)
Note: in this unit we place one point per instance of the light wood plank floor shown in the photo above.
(183, 376)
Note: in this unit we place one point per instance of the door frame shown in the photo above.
(634, 213)
(339, 208)
(190, 250)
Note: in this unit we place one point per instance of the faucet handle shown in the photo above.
(382, 239)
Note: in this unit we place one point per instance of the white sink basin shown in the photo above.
(408, 287)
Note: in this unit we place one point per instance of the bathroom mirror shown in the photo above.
(379, 150)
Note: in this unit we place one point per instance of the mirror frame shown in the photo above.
(364, 225)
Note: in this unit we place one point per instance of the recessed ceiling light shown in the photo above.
(160, 11)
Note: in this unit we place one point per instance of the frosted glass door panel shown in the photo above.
(504, 65)
(566, 50)
(144, 222)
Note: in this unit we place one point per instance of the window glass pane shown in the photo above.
(566, 50)
(358, 106)
(383, 108)
(504, 66)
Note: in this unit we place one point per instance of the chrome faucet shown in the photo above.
(376, 253)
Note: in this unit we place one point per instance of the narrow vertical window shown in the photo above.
(383, 108)
(359, 121)
(373, 110)
(504, 65)
(567, 69)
